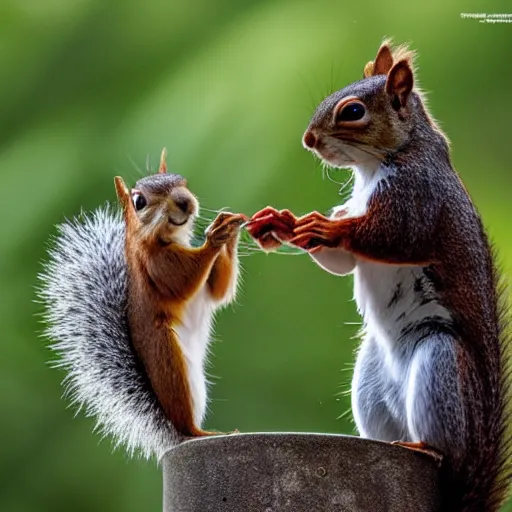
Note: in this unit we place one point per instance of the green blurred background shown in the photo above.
(89, 88)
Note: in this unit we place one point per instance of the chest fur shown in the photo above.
(392, 299)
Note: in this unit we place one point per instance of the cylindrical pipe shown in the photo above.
(297, 473)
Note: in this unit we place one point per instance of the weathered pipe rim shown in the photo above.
(296, 436)
(297, 472)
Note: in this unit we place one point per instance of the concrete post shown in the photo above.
(297, 473)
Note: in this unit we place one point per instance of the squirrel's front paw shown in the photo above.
(314, 230)
(270, 227)
(224, 228)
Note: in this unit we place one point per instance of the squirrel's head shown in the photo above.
(161, 205)
(363, 123)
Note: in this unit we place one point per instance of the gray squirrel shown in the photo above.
(432, 371)
(129, 309)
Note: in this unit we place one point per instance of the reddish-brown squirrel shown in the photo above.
(432, 370)
(130, 305)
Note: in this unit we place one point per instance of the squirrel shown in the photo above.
(129, 306)
(432, 369)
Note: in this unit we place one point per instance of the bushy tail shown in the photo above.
(84, 289)
(482, 482)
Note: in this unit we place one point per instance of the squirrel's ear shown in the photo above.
(399, 83)
(123, 194)
(382, 63)
(163, 164)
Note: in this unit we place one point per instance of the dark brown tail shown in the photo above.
(479, 480)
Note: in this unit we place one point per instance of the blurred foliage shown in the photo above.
(91, 87)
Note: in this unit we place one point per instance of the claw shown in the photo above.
(227, 218)
(269, 223)
(310, 217)
(265, 219)
(269, 210)
(314, 226)
(319, 227)
(422, 448)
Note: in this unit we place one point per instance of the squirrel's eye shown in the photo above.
(351, 112)
(139, 201)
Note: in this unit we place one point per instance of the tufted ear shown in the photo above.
(163, 164)
(382, 63)
(123, 194)
(399, 84)
(125, 199)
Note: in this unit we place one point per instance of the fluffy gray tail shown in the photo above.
(84, 289)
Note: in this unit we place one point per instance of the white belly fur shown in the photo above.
(375, 283)
(374, 286)
(194, 335)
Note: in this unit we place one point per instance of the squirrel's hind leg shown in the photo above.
(377, 403)
(435, 413)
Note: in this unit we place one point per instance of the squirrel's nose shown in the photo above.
(309, 140)
(183, 203)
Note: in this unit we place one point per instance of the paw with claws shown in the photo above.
(271, 227)
(224, 228)
(314, 231)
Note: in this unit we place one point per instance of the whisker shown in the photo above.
(331, 179)
(136, 166)
(213, 210)
(148, 164)
(346, 186)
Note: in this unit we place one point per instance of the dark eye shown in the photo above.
(139, 201)
(351, 112)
